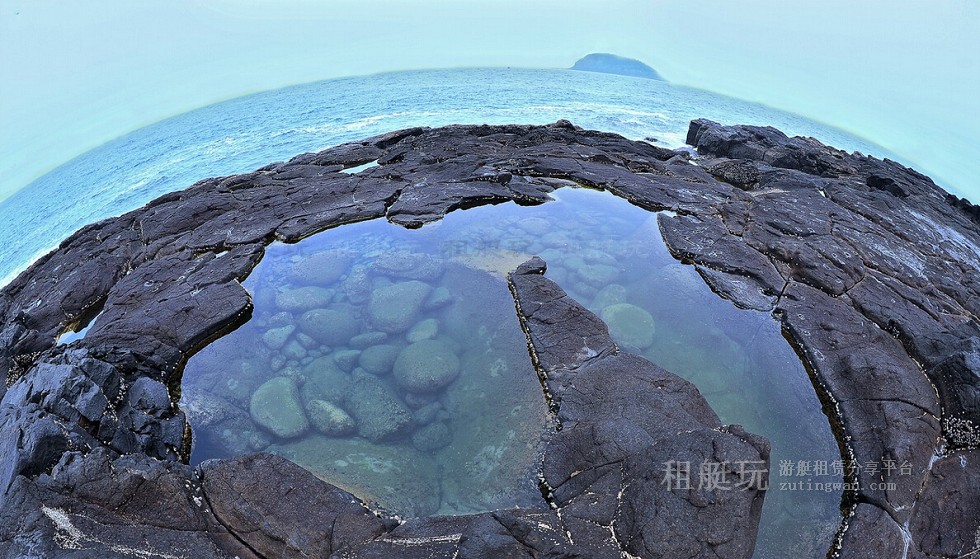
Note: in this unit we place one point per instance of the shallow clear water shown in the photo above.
(415, 363)
(243, 134)
(607, 254)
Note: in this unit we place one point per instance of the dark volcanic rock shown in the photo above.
(628, 420)
(97, 506)
(948, 525)
(278, 509)
(871, 268)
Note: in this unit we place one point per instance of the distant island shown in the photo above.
(612, 64)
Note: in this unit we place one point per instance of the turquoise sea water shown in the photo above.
(246, 133)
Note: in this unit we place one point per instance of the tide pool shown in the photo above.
(390, 362)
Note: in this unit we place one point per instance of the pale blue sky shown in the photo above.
(901, 73)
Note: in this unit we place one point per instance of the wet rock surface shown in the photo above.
(622, 420)
(871, 268)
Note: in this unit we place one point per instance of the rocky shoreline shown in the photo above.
(870, 267)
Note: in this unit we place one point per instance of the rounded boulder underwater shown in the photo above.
(629, 325)
(426, 366)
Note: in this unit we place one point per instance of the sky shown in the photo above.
(901, 73)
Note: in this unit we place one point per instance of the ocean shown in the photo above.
(243, 134)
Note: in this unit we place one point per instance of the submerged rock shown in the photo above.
(293, 351)
(607, 296)
(329, 327)
(395, 308)
(440, 297)
(302, 298)
(325, 381)
(419, 400)
(629, 325)
(346, 358)
(427, 413)
(323, 268)
(368, 339)
(424, 330)
(276, 406)
(356, 286)
(379, 414)
(597, 275)
(379, 359)
(409, 265)
(536, 226)
(329, 419)
(426, 366)
(307, 342)
(275, 338)
(432, 437)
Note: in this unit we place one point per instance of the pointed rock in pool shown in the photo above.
(426, 366)
(395, 308)
(424, 330)
(276, 407)
(323, 268)
(440, 297)
(346, 358)
(329, 327)
(629, 325)
(330, 419)
(275, 338)
(293, 350)
(379, 414)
